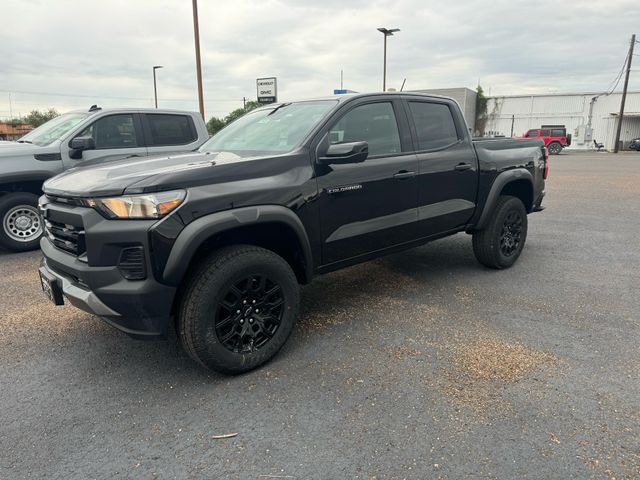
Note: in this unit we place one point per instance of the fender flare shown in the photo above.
(198, 231)
(500, 181)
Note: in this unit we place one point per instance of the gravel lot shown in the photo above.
(419, 365)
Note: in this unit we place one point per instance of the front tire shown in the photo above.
(21, 225)
(500, 243)
(238, 309)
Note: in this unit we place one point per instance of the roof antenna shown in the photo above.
(403, 84)
(93, 108)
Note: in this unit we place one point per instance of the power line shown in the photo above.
(56, 94)
(618, 77)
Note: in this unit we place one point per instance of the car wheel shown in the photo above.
(22, 225)
(238, 308)
(500, 243)
(554, 148)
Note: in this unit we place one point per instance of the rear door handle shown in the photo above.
(463, 166)
(402, 174)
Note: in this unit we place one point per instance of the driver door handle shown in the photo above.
(402, 174)
(463, 166)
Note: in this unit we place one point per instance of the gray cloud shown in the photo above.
(103, 51)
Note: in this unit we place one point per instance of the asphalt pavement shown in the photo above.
(419, 365)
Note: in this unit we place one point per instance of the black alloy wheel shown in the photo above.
(511, 233)
(250, 314)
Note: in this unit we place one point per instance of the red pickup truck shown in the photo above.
(555, 137)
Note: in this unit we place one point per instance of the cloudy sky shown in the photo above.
(72, 53)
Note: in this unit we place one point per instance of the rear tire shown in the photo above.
(238, 309)
(500, 243)
(21, 225)
(554, 148)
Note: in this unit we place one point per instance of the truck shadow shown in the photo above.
(339, 298)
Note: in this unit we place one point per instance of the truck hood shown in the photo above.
(140, 175)
(9, 149)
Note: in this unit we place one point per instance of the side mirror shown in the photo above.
(79, 145)
(82, 143)
(340, 153)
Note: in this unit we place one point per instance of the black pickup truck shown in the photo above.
(217, 242)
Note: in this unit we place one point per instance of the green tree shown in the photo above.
(481, 110)
(238, 112)
(215, 124)
(37, 117)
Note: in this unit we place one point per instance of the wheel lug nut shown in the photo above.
(257, 310)
(241, 321)
(251, 320)
(244, 301)
(253, 301)
(237, 311)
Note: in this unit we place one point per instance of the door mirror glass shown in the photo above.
(340, 153)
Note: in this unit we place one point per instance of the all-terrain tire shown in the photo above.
(21, 225)
(500, 243)
(228, 279)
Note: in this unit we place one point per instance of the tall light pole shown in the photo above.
(155, 88)
(196, 34)
(387, 32)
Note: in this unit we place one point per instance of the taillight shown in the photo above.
(545, 153)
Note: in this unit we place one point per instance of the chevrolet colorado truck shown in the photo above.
(75, 139)
(216, 243)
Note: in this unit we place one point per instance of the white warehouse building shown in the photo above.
(587, 116)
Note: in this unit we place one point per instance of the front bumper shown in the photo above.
(94, 281)
(140, 309)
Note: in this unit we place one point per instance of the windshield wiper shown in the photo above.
(278, 108)
(23, 141)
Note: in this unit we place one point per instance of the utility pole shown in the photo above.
(196, 34)
(513, 119)
(244, 103)
(624, 94)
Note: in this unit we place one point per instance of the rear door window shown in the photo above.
(374, 123)
(532, 133)
(545, 133)
(558, 132)
(434, 124)
(168, 129)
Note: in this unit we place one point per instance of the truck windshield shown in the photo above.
(54, 129)
(274, 130)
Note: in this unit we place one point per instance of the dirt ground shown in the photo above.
(419, 365)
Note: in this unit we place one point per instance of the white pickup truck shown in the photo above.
(77, 139)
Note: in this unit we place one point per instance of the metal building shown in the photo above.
(587, 116)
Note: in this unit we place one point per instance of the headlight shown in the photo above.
(153, 205)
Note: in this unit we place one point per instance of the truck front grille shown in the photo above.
(65, 237)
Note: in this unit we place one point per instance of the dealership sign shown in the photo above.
(267, 90)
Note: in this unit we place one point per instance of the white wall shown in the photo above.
(571, 110)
